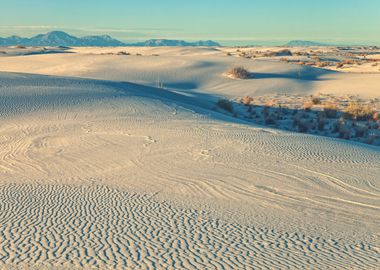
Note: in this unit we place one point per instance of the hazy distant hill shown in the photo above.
(59, 38)
(173, 43)
(305, 43)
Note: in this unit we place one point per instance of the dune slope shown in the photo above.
(115, 174)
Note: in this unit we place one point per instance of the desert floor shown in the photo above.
(110, 160)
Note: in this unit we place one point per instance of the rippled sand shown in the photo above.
(110, 174)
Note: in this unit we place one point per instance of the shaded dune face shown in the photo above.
(103, 227)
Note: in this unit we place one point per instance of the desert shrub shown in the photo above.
(349, 62)
(322, 64)
(265, 111)
(243, 54)
(331, 110)
(344, 133)
(321, 122)
(371, 139)
(346, 62)
(336, 127)
(303, 126)
(226, 105)
(239, 73)
(270, 120)
(376, 116)
(360, 131)
(123, 53)
(269, 54)
(20, 47)
(246, 100)
(359, 112)
(316, 100)
(307, 106)
(340, 65)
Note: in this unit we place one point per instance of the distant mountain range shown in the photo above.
(59, 38)
(173, 43)
(304, 43)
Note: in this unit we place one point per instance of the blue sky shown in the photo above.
(230, 22)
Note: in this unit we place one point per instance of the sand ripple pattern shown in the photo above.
(97, 226)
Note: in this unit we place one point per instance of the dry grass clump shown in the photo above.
(225, 104)
(359, 112)
(307, 106)
(270, 103)
(247, 100)
(239, 73)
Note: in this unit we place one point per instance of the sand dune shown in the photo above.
(193, 69)
(111, 172)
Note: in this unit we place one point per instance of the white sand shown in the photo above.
(108, 173)
(194, 69)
